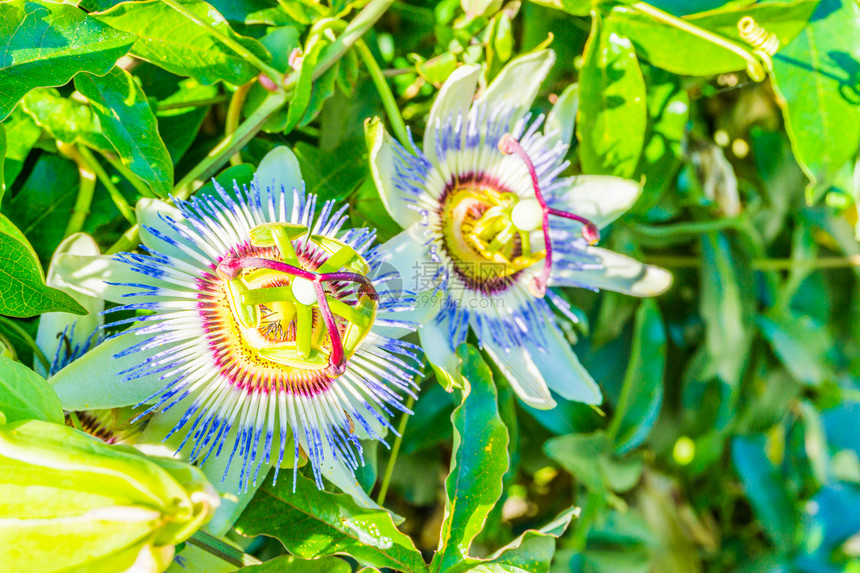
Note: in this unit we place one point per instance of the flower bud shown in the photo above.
(69, 502)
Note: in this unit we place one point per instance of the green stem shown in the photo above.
(593, 505)
(392, 110)
(678, 229)
(221, 549)
(249, 128)
(234, 114)
(362, 22)
(395, 450)
(232, 143)
(624, 398)
(241, 50)
(127, 242)
(86, 190)
(754, 67)
(192, 103)
(116, 195)
(135, 181)
(766, 264)
(28, 340)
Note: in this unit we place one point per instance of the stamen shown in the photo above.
(231, 267)
(509, 145)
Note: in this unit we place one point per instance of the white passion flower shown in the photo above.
(490, 224)
(255, 340)
(63, 337)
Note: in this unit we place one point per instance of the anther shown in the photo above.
(509, 145)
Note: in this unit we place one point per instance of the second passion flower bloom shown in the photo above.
(258, 335)
(490, 224)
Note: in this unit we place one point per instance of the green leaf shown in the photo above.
(68, 120)
(323, 89)
(815, 78)
(130, 125)
(313, 523)
(8, 227)
(22, 133)
(801, 344)
(534, 549)
(766, 490)
(290, 564)
(2, 160)
(642, 390)
(333, 174)
(280, 42)
(171, 41)
(589, 458)
(23, 291)
(368, 209)
(267, 12)
(815, 442)
(612, 111)
(784, 20)
(303, 91)
(575, 7)
(497, 568)
(683, 53)
(41, 207)
(44, 44)
(725, 309)
(672, 49)
(24, 395)
(479, 461)
(179, 126)
(668, 113)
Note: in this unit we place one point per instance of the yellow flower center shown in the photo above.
(290, 310)
(485, 230)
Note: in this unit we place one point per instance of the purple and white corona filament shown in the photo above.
(258, 330)
(490, 224)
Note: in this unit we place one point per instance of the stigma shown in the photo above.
(532, 214)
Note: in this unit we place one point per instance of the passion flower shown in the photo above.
(491, 225)
(257, 340)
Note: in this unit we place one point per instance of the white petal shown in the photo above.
(518, 83)
(408, 255)
(233, 502)
(437, 345)
(91, 275)
(94, 381)
(53, 324)
(279, 169)
(383, 159)
(560, 367)
(341, 476)
(453, 101)
(76, 244)
(599, 198)
(522, 373)
(618, 273)
(562, 118)
(149, 216)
